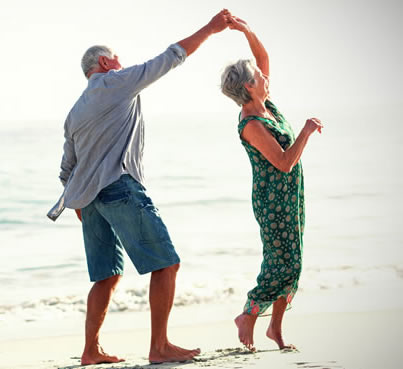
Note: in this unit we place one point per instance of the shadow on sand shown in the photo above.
(236, 357)
(221, 356)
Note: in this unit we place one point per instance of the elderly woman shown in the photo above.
(277, 195)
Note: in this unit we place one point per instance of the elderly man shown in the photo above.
(102, 173)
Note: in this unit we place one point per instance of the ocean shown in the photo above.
(199, 177)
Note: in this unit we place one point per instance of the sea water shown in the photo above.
(199, 177)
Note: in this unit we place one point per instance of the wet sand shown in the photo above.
(328, 340)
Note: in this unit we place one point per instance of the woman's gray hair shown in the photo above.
(234, 78)
(91, 56)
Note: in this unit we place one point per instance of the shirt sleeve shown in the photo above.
(69, 159)
(137, 77)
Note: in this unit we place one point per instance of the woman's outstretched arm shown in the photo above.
(257, 48)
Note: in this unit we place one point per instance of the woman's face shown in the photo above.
(261, 86)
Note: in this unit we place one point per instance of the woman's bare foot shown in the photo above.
(171, 353)
(276, 336)
(246, 324)
(98, 356)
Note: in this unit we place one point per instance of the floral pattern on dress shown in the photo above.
(278, 206)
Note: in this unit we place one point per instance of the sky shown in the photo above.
(322, 53)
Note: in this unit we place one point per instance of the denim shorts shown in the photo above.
(121, 217)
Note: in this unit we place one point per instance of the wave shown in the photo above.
(208, 289)
(179, 178)
(205, 202)
(354, 195)
(130, 300)
(12, 222)
(47, 267)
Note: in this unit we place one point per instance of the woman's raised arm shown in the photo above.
(257, 48)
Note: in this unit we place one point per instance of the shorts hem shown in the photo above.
(159, 267)
(106, 275)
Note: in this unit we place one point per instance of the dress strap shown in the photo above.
(267, 122)
(273, 108)
(243, 123)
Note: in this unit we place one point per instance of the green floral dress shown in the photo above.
(278, 206)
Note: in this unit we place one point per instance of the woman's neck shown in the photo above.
(255, 107)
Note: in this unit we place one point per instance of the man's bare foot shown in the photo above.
(277, 337)
(171, 353)
(98, 356)
(246, 324)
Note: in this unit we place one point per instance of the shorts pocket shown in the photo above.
(152, 227)
(112, 197)
(116, 193)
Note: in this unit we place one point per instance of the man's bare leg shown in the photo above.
(246, 324)
(274, 331)
(97, 306)
(162, 292)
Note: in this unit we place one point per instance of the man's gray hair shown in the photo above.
(233, 80)
(91, 56)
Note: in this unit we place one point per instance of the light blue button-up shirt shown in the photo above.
(104, 131)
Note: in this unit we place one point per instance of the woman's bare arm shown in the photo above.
(257, 48)
(284, 160)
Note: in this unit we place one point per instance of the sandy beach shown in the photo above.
(370, 338)
(338, 61)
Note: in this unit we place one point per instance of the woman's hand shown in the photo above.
(312, 125)
(257, 135)
(257, 48)
(238, 24)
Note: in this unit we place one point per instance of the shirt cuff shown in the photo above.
(179, 52)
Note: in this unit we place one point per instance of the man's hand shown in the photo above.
(217, 24)
(78, 212)
(220, 21)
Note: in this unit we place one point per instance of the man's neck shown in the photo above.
(98, 69)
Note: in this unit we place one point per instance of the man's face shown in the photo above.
(109, 63)
(114, 63)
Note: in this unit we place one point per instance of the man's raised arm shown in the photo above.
(217, 24)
